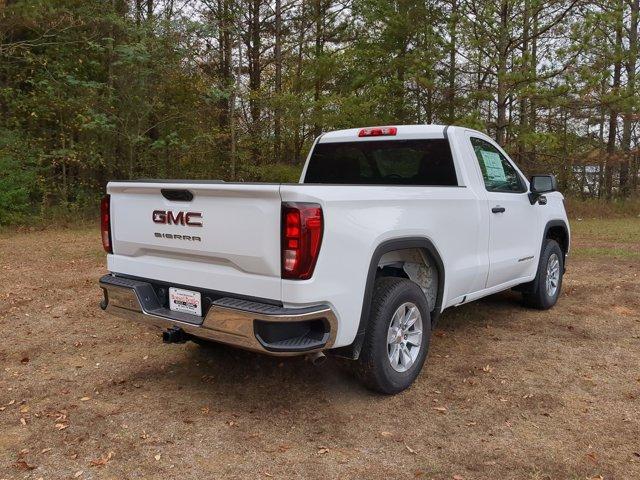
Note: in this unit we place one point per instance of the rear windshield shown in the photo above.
(385, 162)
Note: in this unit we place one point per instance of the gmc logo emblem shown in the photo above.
(167, 217)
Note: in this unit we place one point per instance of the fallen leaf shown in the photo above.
(411, 450)
(440, 409)
(23, 422)
(458, 477)
(84, 399)
(45, 450)
(386, 434)
(24, 409)
(78, 473)
(157, 457)
(61, 426)
(23, 465)
(487, 369)
(323, 450)
(100, 462)
(592, 456)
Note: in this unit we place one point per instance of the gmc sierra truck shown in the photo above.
(388, 227)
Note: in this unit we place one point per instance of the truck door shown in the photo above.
(513, 239)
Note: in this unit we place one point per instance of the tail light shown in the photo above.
(377, 132)
(302, 225)
(105, 223)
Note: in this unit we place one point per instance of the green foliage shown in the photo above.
(273, 173)
(95, 91)
(18, 179)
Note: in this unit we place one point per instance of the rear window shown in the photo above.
(385, 162)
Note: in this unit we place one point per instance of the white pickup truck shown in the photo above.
(388, 227)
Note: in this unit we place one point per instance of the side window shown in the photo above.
(498, 174)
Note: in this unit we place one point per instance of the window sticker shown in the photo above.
(493, 166)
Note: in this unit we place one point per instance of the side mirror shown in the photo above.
(541, 184)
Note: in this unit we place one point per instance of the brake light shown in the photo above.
(105, 223)
(377, 131)
(302, 226)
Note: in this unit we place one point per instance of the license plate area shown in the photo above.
(185, 301)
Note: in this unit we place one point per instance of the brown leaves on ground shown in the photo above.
(103, 460)
(482, 408)
(23, 465)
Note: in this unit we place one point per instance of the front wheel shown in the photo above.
(397, 337)
(548, 281)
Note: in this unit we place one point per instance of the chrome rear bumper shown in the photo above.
(241, 323)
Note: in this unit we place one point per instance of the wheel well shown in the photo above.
(415, 264)
(559, 234)
(390, 258)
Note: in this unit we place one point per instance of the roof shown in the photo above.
(405, 132)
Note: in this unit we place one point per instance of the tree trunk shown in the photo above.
(525, 73)
(613, 111)
(225, 46)
(631, 89)
(277, 114)
(501, 120)
(232, 114)
(601, 144)
(255, 80)
(533, 113)
(319, 47)
(451, 93)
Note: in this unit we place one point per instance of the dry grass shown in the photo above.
(594, 208)
(507, 393)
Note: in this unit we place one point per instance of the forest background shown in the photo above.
(238, 89)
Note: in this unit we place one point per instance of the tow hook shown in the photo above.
(317, 358)
(174, 335)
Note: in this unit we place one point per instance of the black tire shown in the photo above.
(374, 366)
(538, 296)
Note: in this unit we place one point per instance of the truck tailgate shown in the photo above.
(235, 249)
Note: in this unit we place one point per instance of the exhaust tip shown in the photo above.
(104, 303)
(317, 358)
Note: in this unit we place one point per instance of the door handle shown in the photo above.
(498, 209)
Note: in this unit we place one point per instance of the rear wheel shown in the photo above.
(548, 282)
(397, 337)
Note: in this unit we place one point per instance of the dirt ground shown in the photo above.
(507, 393)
